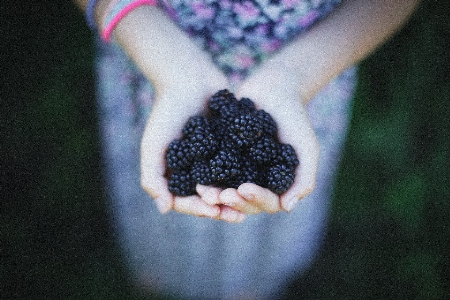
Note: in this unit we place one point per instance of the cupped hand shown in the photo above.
(275, 88)
(184, 94)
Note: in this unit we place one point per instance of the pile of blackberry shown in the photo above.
(231, 144)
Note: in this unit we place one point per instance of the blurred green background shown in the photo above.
(389, 232)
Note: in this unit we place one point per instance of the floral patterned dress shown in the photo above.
(197, 258)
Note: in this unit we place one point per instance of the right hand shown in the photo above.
(185, 78)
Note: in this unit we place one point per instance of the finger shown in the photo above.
(230, 215)
(231, 198)
(164, 203)
(193, 205)
(305, 177)
(260, 197)
(156, 186)
(209, 194)
(153, 164)
(303, 186)
(297, 192)
(306, 146)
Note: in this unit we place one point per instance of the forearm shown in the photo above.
(160, 48)
(344, 38)
(152, 40)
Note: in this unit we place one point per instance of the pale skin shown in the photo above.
(282, 86)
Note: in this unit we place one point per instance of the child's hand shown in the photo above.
(184, 78)
(276, 90)
(183, 95)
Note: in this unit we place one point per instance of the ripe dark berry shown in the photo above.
(263, 151)
(201, 173)
(178, 155)
(195, 124)
(244, 130)
(224, 166)
(220, 100)
(250, 173)
(201, 145)
(229, 113)
(181, 184)
(280, 178)
(246, 106)
(269, 126)
(286, 156)
(219, 127)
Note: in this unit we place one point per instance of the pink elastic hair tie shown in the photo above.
(116, 11)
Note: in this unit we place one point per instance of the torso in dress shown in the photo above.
(239, 34)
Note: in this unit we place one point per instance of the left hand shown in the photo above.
(276, 90)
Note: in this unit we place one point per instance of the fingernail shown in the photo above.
(291, 204)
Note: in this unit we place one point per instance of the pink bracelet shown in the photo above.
(116, 11)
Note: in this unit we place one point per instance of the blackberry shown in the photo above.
(249, 173)
(286, 156)
(219, 100)
(181, 183)
(229, 113)
(269, 125)
(263, 151)
(178, 155)
(195, 124)
(225, 118)
(280, 178)
(199, 140)
(201, 145)
(246, 106)
(224, 166)
(228, 146)
(201, 173)
(219, 127)
(244, 130)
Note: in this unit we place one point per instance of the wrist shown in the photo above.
(104, 15)
(273, 84)
(118, 10)
(162, 51)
